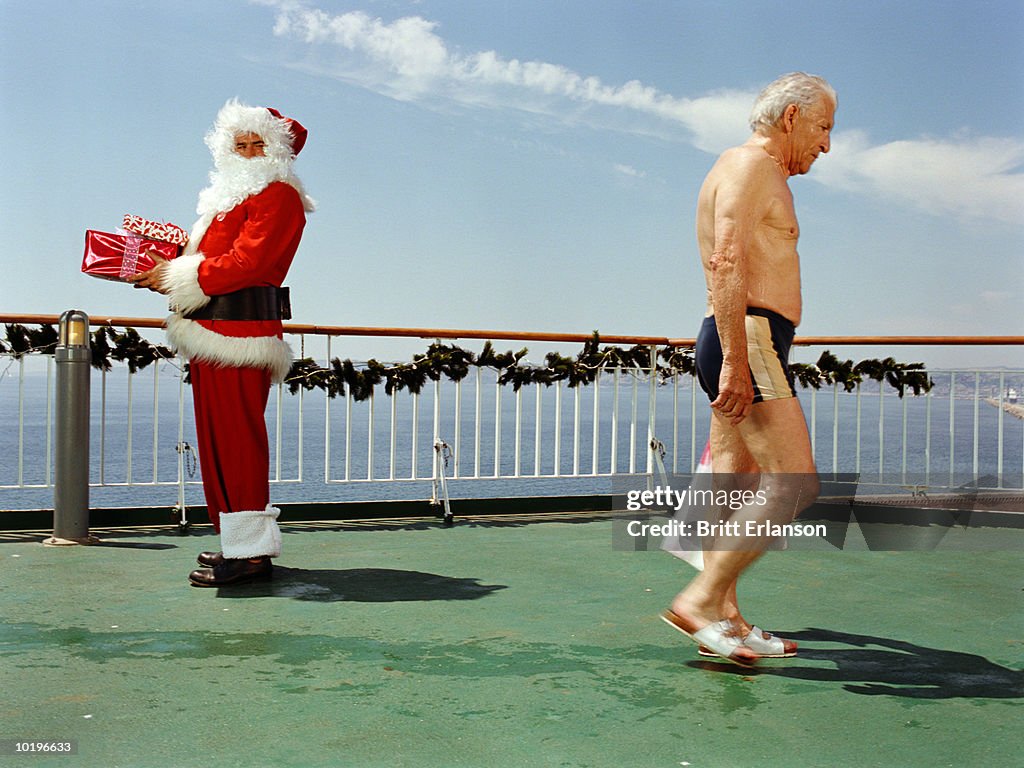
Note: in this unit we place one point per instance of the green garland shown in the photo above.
(829, 370)
(129, 347)
(454, 363)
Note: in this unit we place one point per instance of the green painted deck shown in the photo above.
(511, 642)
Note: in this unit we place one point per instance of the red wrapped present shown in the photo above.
(169, 233)
(117, 257)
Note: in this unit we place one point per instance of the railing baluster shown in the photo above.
(437, 465)
(497, 424)
(928, 437)
(903, 442)
(156, 416)
(881, 431)
(476, 425)
(348, 437)
(278, 429)
(103, 426)
(180, 448)
(302, 420)
(675, 424)
(614, 458)
(50, 394)
(814, 425)
(652, 405)
(977, 415)
(370, 419)
(518, 439)
(858, 430)
(128, 445)
(632, 423)
(327, 422)
(21, 420)
(393, 445)
(457, 450)
(952, 424)
(576, 431)
(597, 425)
(694, 458)
(415, 433)
(558, 428)
(835, 429)
(538, 415)
(999, 429)
(436, 428)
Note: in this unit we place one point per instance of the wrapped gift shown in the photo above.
(168, 233)
(110, 256)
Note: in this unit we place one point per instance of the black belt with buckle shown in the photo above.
(261, 302)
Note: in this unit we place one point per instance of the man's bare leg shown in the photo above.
(775, 436)
(730, 456)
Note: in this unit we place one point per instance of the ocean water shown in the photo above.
(934, 441)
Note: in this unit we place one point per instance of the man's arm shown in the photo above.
(740, 206)
(276, 219)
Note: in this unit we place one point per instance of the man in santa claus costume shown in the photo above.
(227, 300)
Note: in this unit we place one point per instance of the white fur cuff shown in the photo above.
(183, 283)
(250, 534)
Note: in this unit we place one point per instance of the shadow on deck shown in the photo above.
(520, 640)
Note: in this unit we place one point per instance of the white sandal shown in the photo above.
(718, 637)
(764, 644)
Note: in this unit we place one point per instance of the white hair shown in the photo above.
(234, 177)
(237, 118)
(794, 88)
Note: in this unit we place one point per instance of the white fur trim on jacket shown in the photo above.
(182, 282)
(193, 341)
(250, 534)
(195, 237)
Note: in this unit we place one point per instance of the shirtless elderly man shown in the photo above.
(747, 234)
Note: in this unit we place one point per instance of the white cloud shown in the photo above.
(967, 177)
(629, 170)
(997, 297)
(719, 120)
(406, 59)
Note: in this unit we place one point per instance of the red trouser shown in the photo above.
(234, 453)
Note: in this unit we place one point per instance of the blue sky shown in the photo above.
(531, 165)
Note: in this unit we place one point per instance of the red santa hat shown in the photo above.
(283, 137)
(296, 129)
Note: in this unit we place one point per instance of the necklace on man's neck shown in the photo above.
(778, 162)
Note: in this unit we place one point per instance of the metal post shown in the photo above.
(71, 485)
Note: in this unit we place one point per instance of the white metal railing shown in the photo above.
(142, 431)
(534, 432)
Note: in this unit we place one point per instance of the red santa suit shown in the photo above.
(250, 225)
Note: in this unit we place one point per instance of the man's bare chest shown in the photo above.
(779, 221)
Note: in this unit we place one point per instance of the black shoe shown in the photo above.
(232, 572)
(210, 559)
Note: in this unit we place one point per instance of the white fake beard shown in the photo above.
(237, 178)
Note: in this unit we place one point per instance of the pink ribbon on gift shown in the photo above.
(131, 254)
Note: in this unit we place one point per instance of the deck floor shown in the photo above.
(512, 642)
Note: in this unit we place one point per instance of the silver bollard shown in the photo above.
(71, 485)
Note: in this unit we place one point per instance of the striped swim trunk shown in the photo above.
(769, 337)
